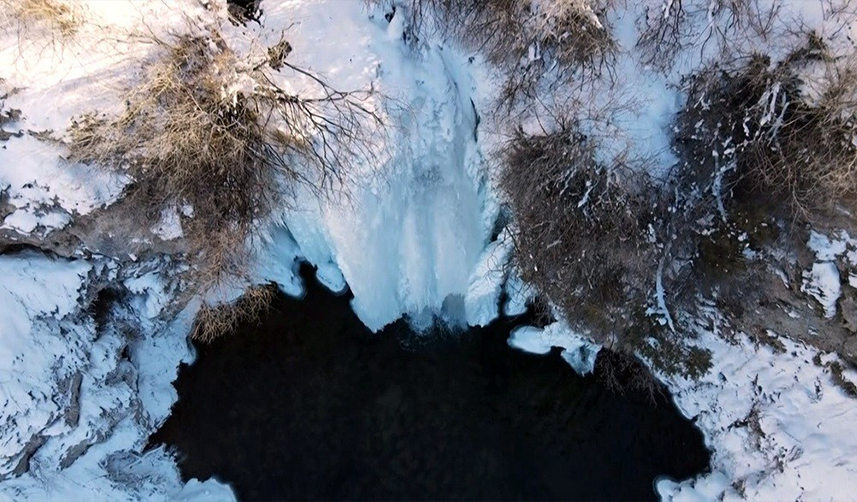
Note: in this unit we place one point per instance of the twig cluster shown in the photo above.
(213, 136)
(534, 43)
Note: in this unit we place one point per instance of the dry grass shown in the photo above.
(59, 18)
(188, 139)
(214, 321)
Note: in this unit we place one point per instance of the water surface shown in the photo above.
(311, 405)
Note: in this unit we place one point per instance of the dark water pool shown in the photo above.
(311, 405)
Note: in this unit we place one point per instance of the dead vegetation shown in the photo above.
(59, 19)
(214, 321)
(767, 151)
(762, 143)
(535, 44)
(211, 136)
(621, 371)
(774, 135)
(712, 28)
(585, 237)
(581, 228)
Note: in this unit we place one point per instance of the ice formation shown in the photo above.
(83, 390)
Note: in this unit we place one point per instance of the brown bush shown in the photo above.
(229, 157)
(754, 136)
(581, 229)
(214, 321)
(622, 370)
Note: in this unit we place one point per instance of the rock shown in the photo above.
(848, 308)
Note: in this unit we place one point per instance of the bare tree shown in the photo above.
(190, 140)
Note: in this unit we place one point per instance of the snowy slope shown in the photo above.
(412, 237)
(778, 427)
(79, 400)
(80, 396)
(51, 82)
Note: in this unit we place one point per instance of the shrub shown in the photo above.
(774, 135)
(608, 247)
(581, 228)
(214, 321)
(710, 27)
(212, 134)
(528, 40)
(622, 370)
(767, 148)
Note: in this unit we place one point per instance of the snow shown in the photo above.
(151, 298)
(577, 350)
(529, 339)
(410, 238)
(70, 404)
(580, 354)
(827, 248)
(481, 302)
(652, 101)
(170, 226)
(778, 427)
(45, 191)
(277, 259)
(329, 275)
(32, 297)
(822, 282)
(55, 82)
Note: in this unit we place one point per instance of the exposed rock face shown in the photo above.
(810, 298)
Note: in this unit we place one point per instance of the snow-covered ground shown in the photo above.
(83, 387)
(81, 393)
(779, 429)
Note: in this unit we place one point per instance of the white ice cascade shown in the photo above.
(423, 232)
(416, 224)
